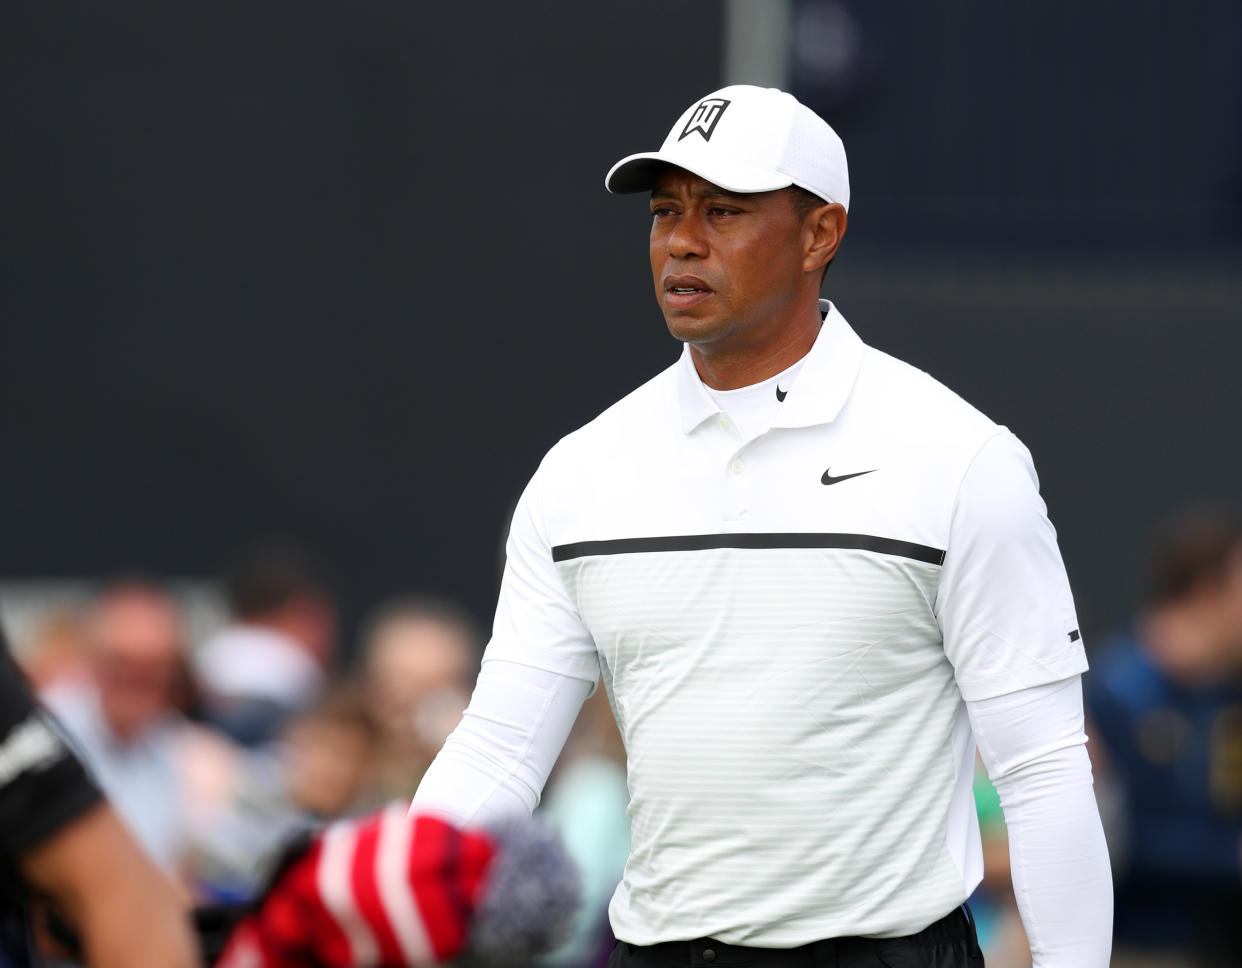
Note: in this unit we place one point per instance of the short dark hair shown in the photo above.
(345, 705)
(1191, 550)
(272, 573)
(804, 203)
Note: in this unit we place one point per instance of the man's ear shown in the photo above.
(823, 230)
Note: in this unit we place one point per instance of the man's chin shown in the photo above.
(693, 329)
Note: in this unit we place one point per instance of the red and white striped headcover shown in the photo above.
(389, 890)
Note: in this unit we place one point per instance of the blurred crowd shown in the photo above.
(218, 752)
(1164, 721)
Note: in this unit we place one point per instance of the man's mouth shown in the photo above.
(685, 284)
(682, 292)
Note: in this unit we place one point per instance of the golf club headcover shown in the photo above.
(400, 890)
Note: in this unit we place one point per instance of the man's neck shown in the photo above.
(729, 368)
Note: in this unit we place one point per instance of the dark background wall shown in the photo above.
(345, 271)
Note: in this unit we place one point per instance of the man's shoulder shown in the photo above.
(636, 416)
(903, 400)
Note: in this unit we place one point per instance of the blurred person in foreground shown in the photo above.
(122, 713)
(272, 660)
(62, 844)
(812, 578)
(1165, 702)
(420, 658)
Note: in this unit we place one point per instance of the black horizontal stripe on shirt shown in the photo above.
(704, 542)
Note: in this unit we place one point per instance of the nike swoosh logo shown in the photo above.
(829, 479)
(781, 395)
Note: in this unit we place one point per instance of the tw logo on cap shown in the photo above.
(704, 118)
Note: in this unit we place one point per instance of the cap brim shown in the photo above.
(638, 173)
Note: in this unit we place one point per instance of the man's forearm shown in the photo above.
(1032, 744)
(127, 913)
(1061, 876)
(497, 760)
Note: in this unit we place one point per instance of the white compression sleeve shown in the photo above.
(495, 763)
(1032, 743)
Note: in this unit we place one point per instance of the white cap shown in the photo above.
(746, 139)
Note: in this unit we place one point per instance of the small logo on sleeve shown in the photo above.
(781, 395)
(1075, 635)
(705, 117)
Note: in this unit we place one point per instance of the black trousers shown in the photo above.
(948, 943)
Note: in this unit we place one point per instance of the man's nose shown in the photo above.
(687, 238)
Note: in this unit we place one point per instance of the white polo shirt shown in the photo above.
(787, 626)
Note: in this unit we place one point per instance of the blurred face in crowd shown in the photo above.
(1204, 629)
(56, 652)
(418, 670)
(330, 763)
(134, 636)
(1230, 607)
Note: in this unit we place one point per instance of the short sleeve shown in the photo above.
(42, 785)
(1004, 603)
(536, 622)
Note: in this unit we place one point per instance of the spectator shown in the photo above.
(420, 657)
(321, 770)
(55, 651)
(121, 714)
(330, 755)
(271, 661)
(1165, 698)
(60, 841)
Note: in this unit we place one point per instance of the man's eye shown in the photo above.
(658, 212)
(722, 211)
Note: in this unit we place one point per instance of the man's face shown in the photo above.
(136, 645)
(728, 268)
(419, 671)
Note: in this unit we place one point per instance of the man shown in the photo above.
(270, 662)
(419, 659)
(811, 578)
(60, 840)
(1166, 703)
(321, 769)
(122, 716)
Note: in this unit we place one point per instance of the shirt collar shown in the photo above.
(694, 402)
(816, 396)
